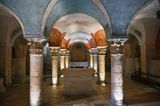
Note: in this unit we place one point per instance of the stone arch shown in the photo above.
(15, 16)
(132, 56)
(134, 19)
(14, 28)
(46, 13)
(15, 36)
(19, 59)
(86, 25)
(105, 13)
(148, 27)
(138, 32)
(97, 3)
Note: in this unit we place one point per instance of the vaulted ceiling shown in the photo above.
(113, 15)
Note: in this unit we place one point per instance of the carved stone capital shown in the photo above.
(102, 50)
(67, 53)
(55, 51)
(117, 45)
(93, 51)
(62, 52)
(35, 45)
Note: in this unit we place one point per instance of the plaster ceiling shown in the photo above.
(77, 22)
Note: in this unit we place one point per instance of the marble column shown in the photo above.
(101, 65)
(95, 65)
(91, 57)
(55, 65)
(117, 95)
(67, 59)
(62, 58)
(36, 71)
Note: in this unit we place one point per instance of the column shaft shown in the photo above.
(116, 79)
(62, 62)
(95, 65)
(101, 65)
(55, 67)
(36, 72)
(62, 58)
(91, 58)
(117, 94)
(67, 59)
(55, 70)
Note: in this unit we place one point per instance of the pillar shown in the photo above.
(117, 94)
(91, 58)
(101, 65)
(36, 71)
(67, 59)
(95, 65)
(62, 58)
(55, 65)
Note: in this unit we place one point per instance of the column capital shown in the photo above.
(62, 52)
(117, 45)
(102, 50)
(54, 51)
(93, 50)
(35, 45)
(67, 52)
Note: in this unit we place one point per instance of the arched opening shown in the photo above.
(79, 55)
(131, 57)
(10, 27)
(77, 27)
(19, 62)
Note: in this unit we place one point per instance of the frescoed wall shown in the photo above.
(56, 37)
(100, 37)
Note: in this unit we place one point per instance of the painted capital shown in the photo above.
(55, 51)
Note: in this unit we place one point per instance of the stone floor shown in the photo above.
(136, 94)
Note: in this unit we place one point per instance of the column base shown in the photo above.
(102, 83)
(96, 74)
(55, 81)
(117, 103)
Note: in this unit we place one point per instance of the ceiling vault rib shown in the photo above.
(105, 14)
(133, 20)
(46, 14)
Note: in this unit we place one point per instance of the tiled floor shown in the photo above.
(136, 94)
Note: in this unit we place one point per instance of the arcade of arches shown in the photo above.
(79, 53)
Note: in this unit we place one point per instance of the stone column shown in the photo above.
(55, 65)
(36, 71)
(67, 58)
(117, 72)
(91, 58)
(62, 58)
(95, 66)
(101, 65)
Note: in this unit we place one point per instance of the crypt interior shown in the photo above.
(79, 53)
